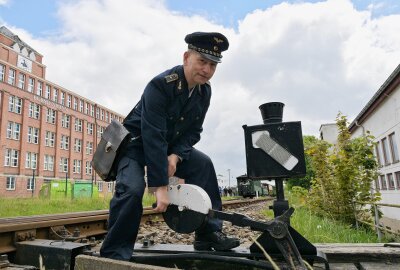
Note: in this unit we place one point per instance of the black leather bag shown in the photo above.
(104, 158)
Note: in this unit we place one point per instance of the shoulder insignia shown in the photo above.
(171, 77)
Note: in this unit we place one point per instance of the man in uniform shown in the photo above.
(165, 125)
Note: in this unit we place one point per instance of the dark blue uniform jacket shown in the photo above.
(166, 121)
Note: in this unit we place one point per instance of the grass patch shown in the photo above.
(317, 229)
(14, 207)
(324, 230)
(10, 207)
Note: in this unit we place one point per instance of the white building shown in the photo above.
(381, 116)
(329, 133)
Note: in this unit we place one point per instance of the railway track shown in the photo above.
(80, 226)
(87, 228)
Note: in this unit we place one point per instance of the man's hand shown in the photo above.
(172, 161)
(162, 199)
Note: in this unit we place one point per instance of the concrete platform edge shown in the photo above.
(85, 262)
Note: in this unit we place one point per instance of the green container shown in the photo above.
(57, 189)
(84, 189)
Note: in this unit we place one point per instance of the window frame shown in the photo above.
(393, 147)
(10, 182)
(30, 184)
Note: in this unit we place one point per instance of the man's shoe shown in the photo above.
(215, 240)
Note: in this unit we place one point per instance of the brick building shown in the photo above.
(46, 131)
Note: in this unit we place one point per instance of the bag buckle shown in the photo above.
(108, 147)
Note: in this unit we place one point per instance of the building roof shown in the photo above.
(326, 125)
(6, 32)
(383, 92)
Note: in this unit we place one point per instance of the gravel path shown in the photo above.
(160, 233)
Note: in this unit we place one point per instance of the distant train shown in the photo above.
(248, 188)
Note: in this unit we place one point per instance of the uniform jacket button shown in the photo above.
(177, 133)
(182, 118)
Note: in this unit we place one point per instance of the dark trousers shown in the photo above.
(126, 205)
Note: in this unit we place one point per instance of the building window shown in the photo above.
(378, 154)
(77, 166)
(48, 91)
(11, 158)
(385, 151)
(100, 186)
(102, 114)
(64, 164)
(33, 135)
(64, 142)
(31, 85)
(75, 104)
(69, 101)
(48, 163)
(100, 131)
(2, 72)
(97, 113)
(110, 186)
(31, 160)
(81, 105)
(10, 183)
(88, 168)
(383, 182)
(21, 81)
(78, 145)
(390, 180)
(30, 184)
(377, 187)
(89, 148)
(89, 128)
(393, 147)
(55, 95)
(78, 125)
(86, 108)
(106, 116)
(63, 98)
(15, 104)
(65, 120)
(49, 139)
(11, 76)
(91, 110)
(13, 130)
(397, 179)
(39, 90)
(34, 110)
(51, 116)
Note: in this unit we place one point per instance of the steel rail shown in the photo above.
(88, 224)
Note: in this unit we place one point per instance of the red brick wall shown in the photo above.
(8, 57)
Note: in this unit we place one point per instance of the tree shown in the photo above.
(343, 176)
(305, 182)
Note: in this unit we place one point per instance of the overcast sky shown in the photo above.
(317, 57)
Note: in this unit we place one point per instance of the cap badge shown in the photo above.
(218, 40)
(215, 48)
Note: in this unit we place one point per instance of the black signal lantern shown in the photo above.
(274, 149)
